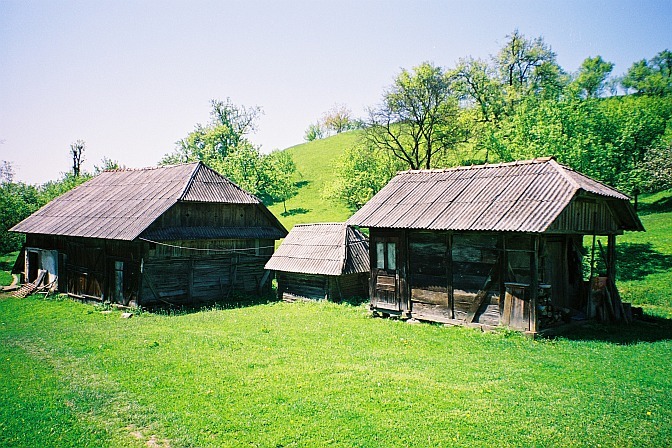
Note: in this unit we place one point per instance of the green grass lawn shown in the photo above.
(320, 374)
(315, 165)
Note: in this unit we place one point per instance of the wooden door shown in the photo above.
(385, 274)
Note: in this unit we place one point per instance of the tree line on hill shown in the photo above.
(19, 200)
(519, 104)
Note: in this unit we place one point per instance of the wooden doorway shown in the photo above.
(385, 274)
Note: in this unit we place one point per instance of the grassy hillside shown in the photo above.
(315, 164)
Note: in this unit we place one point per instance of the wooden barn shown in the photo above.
(172, 235)
(490, 244)
(322, 261)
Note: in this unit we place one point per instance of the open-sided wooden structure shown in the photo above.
(489, 244)
(181, 234)
(322, 261)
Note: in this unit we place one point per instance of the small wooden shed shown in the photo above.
(489, 244)
(322, 261)
(174, 235)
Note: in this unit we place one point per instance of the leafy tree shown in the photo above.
(17, 202)
(653, 77)
(77, 152)
(280, 168)
(476, 84)
(338, 119)
(227, 130)
(361, 172)
(526, 65)
(54, 188)
(107, 164)
(315, 131)
(416, 119)
(592, 76)
(223, 145)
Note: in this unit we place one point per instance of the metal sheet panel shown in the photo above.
(519, 196)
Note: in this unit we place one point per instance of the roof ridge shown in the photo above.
(190, 182)
(481, 166)
(147, 168)
(562, 170)
(306, 224)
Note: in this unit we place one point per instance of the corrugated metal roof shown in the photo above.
(525, 196)
(323, 248)
(121, 204)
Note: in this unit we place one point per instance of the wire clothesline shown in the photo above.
(176, 246)
(256, 248)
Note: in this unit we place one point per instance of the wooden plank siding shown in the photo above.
(193, 214)
(457, 276)
(585, 215)
(210, 270)
(318, 287)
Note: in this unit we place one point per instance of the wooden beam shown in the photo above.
(482, 293)
(534, 283)
(449, 273)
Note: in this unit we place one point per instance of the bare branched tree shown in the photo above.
(77, 152)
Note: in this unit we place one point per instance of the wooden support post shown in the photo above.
(449, 274)
(534, 283)
(611, 257)
(503, 269)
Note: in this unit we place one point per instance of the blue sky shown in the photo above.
(132, 77)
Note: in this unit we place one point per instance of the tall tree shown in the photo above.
(652, 77)
(476, 84)
(227, 130)
(525, 64)
(224, 146)
(77, 152)
(592, 76)
(280, 169)
(417, 117)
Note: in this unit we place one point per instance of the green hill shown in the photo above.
(315, 163)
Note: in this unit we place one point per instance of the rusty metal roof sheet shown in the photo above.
(324, 248)
(121, 204)
(524, 196)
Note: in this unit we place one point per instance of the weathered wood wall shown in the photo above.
(210, 270)
(455, 276)
(312, 286)
(86, 264)
(191, 214)
(586, 215)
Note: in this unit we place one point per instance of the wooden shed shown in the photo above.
(173, 235)
(490, 244)
(322, 261)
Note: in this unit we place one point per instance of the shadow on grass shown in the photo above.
(295, 211)
(637, 260)
(645, 329)
(660, 206)
(354, 301)
(237, 301)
